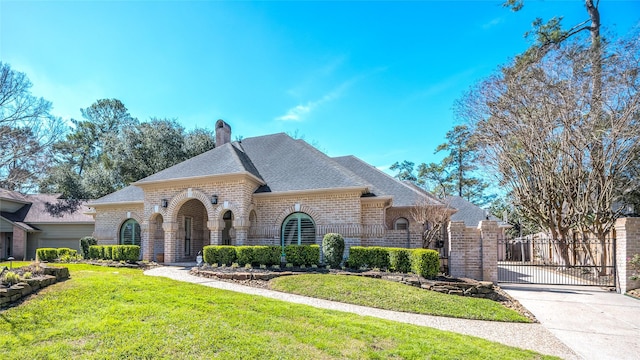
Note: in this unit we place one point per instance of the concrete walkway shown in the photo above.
(595, 323)
(526, 336)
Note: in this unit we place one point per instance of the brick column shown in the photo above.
(170, 241)
(146, 246)
(627, 245)
(457, 249)
(215, 236)
(19, 246)
(489, 237)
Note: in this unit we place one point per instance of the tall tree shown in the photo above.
(405, 171)
(559, 138)
(461, 163)
(27, 130)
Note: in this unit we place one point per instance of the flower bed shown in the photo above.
(39, 278)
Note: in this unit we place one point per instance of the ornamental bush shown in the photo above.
(302, 254)
(245, 255)
(333, 249)
(115, 252)
(267, 255)
(425, 262)
(219, 254)
(95, 252)
(72, 253)
(46, 254)
(371, 256)
(85, 243)
(400, 260)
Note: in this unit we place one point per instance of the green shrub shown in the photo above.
(425, 262)
(371, 257)
(302, 254)
(67, 253)
(85, 243)
(400, 260)
(245, 255)
(210, 254)
(107, 253)
(267, 255)
(10, 278)
(333, 249)
(115, 252)
(46, 254)
(95, 252)
(311, 255)
(220, 254)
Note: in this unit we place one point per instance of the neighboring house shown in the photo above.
(470, 213)
(26, 225)
(270, 190)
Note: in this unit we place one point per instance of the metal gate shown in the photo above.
(538, 260)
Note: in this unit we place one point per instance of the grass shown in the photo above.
(106, 313)
(390, 295)
(15, 264)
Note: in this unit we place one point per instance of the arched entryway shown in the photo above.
(192, 234)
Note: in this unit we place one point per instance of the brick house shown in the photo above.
(25, 225)
(265, 190)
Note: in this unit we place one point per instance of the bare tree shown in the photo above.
(560, 140)
(27, 130)
(434, 219)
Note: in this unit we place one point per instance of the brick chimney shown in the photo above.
(223, 133)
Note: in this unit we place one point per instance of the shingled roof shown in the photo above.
(383, 184)
(130, 194)
(282, 164)
(222, 160)
(470, 213)
(35, 212)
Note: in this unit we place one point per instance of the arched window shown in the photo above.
(401, 224)
(298, 229)
(130, 233)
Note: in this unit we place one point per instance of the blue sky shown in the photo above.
(372, 79)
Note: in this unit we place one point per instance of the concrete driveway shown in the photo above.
(595, 323)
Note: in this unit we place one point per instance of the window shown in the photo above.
(298, 229)
(187, 236)
(130, 233)
(401, 224)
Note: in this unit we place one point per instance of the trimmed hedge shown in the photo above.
(66, 251)
(370, 256)
(219, 254)
(333, 249)
(46, 254)
(267, 255)
(261, 255)
(423, 262)
(302, 254)
(400, 260)
(114, 252)
(245, 255)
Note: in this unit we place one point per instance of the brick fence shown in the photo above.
(473, 251)
(627, 245)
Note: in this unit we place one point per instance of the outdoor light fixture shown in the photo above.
(164, 203)
(214, 199)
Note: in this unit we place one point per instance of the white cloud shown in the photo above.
(492, 23)
(300, 111)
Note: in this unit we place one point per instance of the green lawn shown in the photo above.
(106, 313)
(15, 263)
(390, 295)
